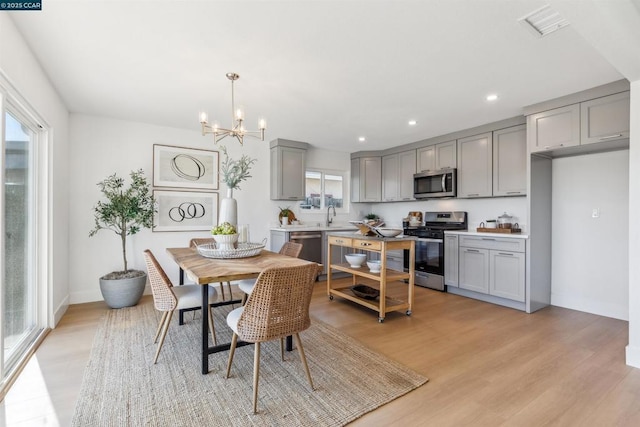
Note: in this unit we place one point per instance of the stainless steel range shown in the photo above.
(429, 262)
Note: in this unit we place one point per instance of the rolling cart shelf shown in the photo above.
(382, 304)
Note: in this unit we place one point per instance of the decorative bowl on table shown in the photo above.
(355, 260)
(226, 241)
(389, 232)
(364, 291)
(374, 266)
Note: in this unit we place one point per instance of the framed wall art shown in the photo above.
(185, 210)
(181, 167)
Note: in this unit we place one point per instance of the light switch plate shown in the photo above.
(595, 213)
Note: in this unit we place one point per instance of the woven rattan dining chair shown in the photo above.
(167, 299)
(292, 249)
(202, 241)
(277, 307)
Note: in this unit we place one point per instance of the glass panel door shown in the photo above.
(19, 285)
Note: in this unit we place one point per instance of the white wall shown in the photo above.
(101, 146)
(478, 210)
(21, 68)
(633, 349)
(590, 255)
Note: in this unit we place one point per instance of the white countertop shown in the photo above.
(500, 235)
(304, 227)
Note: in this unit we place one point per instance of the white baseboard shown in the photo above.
(588, 305)
(633, 356)
(59, 311)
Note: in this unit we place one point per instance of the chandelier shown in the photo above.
(237, 129)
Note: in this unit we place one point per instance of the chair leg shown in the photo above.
(304, 359)
(230, 294)
(256, 375)
(222, 290)
(244, 299)
(167, 321)
(282, 348)
(232, 350)
(164, 314)
(212, 326)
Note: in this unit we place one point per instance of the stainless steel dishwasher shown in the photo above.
(311, 244)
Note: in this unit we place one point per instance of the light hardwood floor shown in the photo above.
(487, 365)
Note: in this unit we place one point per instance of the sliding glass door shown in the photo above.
(21, 296)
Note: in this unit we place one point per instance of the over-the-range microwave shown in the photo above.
(434, 184)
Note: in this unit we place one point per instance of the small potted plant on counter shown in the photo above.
(372, 218)
(125, 212)
(288, 214)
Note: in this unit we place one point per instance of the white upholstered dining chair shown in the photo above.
(277, 307)
(292, 249)
(167, 299)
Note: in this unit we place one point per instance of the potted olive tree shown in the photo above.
(125, 212)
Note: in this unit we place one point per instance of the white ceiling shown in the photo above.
(323, 72)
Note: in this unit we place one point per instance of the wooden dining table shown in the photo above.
(203, 271)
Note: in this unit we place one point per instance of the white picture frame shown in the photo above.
(181, 167)
(185, 210)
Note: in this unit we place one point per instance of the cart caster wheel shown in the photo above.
(331, 297)
(408, 312)
(380, 319)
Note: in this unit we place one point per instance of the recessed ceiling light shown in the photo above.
(412, 122)
(362, 139)
(492, 97)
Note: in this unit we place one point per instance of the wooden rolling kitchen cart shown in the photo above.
(381, 245)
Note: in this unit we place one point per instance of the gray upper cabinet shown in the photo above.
(605, 119)
(366, 179)
(397, 176)
(390, 181)
(557, 128)
(510, 161)
(288, 169)
(475, 166)
(436, 157)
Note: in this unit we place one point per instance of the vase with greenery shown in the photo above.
(124, 211)
(233, 172)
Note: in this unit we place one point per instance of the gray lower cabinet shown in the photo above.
(475, 174)
(278, 238)
(493, 266)
(506, 274)
(474, 269)
(451, 260)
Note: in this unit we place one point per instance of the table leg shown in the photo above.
(181, 277)
(205, 329)
(289, 343)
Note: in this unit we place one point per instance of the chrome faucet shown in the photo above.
(329, 219)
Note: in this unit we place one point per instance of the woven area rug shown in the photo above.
(121, 386)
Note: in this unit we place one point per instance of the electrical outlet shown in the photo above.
(595, 213)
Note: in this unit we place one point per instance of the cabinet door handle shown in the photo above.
(610, 136)
(505, 253)
(487, 238)
(471, 250)
(473, 194)
(513, 192)
(365, 244)
(546, 147)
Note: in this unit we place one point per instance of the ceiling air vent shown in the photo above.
(543, 21)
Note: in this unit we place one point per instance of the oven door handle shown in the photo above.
(422, 239)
